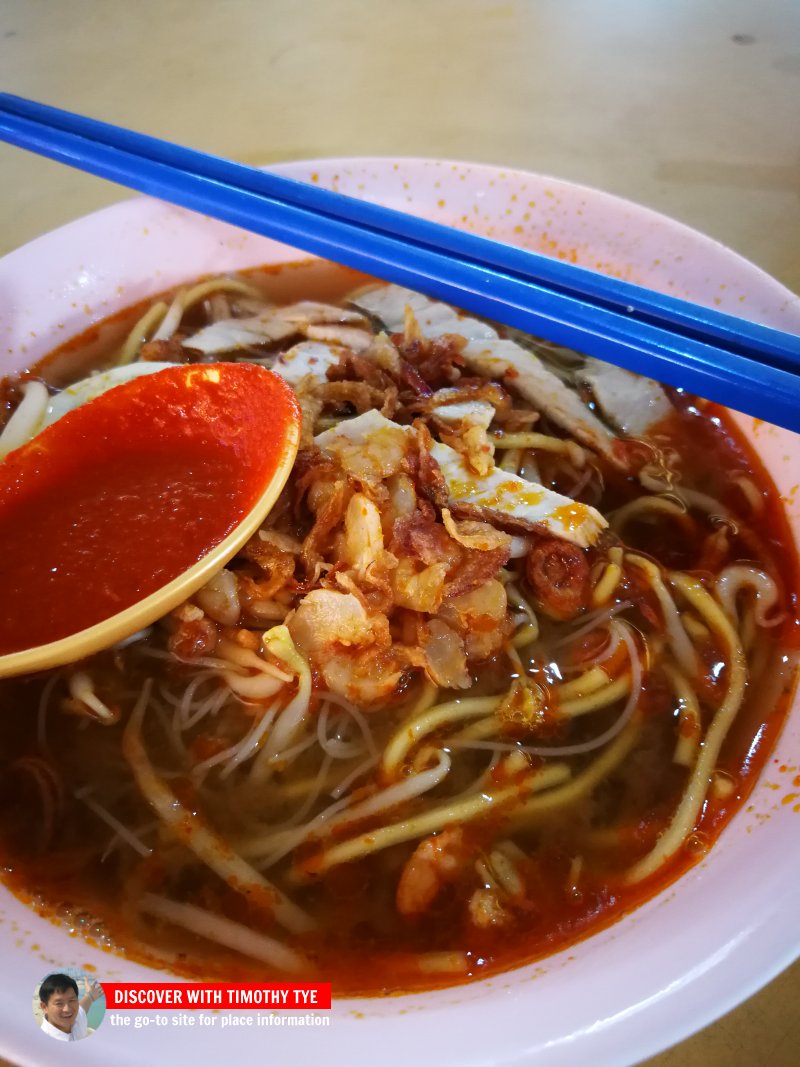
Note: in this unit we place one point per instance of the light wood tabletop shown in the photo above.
(689, 107)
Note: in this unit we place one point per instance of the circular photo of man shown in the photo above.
(69, 1005)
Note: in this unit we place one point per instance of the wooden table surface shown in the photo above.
(689, 106)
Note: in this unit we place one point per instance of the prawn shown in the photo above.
(435, 862)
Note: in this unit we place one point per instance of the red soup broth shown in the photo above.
(573, 863)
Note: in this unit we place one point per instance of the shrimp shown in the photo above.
(363, 533)
(369, 678)
(434, 863)
(491, 904)
(219, 598)
(445, 656)
(350, 647)
(327, 619)
(479, 617)
(193, 634)
(486, 910)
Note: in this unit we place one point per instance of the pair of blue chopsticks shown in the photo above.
(745, 366)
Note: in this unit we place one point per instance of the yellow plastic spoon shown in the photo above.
(124, 507)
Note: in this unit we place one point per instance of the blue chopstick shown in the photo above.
(740, 364)
(614, 294)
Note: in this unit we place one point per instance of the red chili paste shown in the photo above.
(126, 492)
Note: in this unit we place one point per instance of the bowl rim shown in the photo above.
(616, 201)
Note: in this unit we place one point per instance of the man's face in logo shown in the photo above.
(62, 1010)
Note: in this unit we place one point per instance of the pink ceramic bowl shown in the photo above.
(687, 956)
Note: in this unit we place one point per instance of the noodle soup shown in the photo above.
(505, 657)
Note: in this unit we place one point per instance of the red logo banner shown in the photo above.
(242, 996)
